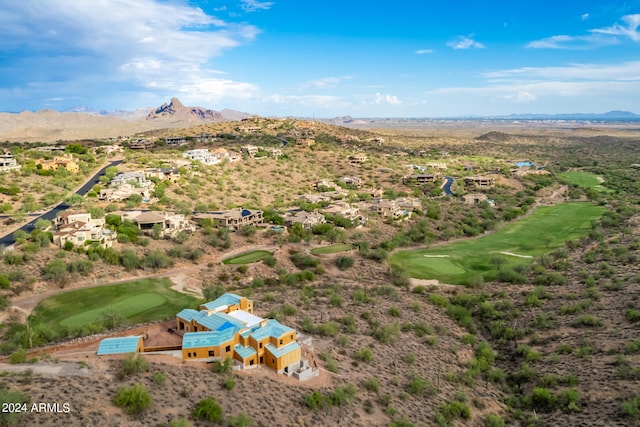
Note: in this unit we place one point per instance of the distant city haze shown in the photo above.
(323, 59)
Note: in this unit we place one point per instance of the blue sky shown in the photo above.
(327, 58)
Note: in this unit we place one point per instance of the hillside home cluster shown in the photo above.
(209, 158)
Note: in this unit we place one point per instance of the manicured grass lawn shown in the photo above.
(547, 228)
(138, 301)
(332, 249)
(584, 180)
(247, 257)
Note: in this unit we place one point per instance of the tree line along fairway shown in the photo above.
(134, 302)
(547, 228)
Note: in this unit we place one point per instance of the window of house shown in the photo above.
(280, 342)
(291, 336)
(189, 354)
(211, 354)
(273, 361)
(228, 348)
(251, 362)
(260, 345)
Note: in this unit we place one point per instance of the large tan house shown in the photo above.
(66, 161)
(233, 219)
(80, 228)
(227, 328)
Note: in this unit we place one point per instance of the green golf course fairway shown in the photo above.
(457, 263)
(332, 249)
(584, 180)
(138, 301)
(247, 257)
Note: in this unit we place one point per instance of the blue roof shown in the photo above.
(279, 352)
(118, 345)
(273, 328)
(225, 299)
(207, 339)
(244, 352)
(217, 321)
(245, 212)
(188, 314)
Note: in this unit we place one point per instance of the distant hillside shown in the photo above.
(611, 115)
(176, 111)
(86, 123)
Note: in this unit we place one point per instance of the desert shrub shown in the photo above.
(159, 378)
(208, 410)
(632, 315)
(542, 399)
(241, 420)
(19, 356)
(454, 410)
(438, 300)
(589, 321)
(419, 386)
(364, 355)
(55, 271)
(371, 384)
(132, 365)
(223, 367)
(342, 395)
(569, 400)
(135, 399)
(179, 422)
(631, 407)
(492, 420)
(394, 311)
(344, 262)
(387, 334)
(316, 400)
(229, 383)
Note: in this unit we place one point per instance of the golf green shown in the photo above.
(247, 257)
(547, 228)
(137, 301)
(332, 249)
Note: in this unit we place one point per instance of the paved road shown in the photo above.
(8, 240)
(447, 185)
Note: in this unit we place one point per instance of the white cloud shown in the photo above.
(328, 102)
(254, 5)
(424, 51)
(326, 82)
(630, 30)
(465, 43)
(597, 37)
(584, 16)
(626, 71)
(131, 42)
(380, 99)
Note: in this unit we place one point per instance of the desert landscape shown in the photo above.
(460, 276)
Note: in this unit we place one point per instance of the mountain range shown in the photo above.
(84, 122)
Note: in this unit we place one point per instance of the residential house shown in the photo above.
(163, 174)
(137, 179)
(125, 185)
(66, 161)
(204, 138)
(175, 141)
(345, 210)
(437, 165)
(307, 220)
(233, 218)
(168, 224)
(409, 203)
(202, 155)
(110, 149)
(479, 181)
(352, 181)
(473, 198)
(8, 163)
(141, 144)
(80, 228)
(227, 328)
(388, 209)
(422, 178)
(225, 155)
(358, 158)
(324, 184)
(250, 150)
(249, 129)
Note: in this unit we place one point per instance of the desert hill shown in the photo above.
(82, 123)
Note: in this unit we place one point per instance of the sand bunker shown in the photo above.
(518, 255)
